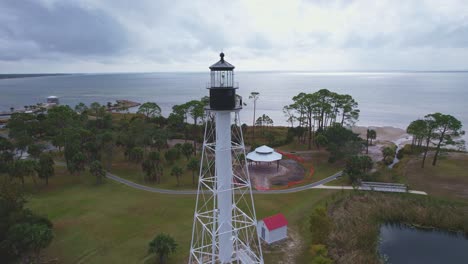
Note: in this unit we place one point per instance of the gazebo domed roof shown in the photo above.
(264, 149)
(264, 154)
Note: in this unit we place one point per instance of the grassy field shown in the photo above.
(449, 178)
(382, 174)
(113, 223)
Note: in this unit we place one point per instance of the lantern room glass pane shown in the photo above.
(222, 79)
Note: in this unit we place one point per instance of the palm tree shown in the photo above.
(193, 165)
(254, 96)
(367, 141)
(187, 150)
(21, 168)
(371, 134)
(177, 171)
(163, 245)
(45, 167)
(95, 168)
(152, 166)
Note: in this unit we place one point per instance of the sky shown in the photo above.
(256, 35)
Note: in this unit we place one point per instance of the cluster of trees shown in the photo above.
(23, 234)
(320, 110)
(179, 118)
(341, 142)
(264, 121)
(23, 135)
(85, 134)
(357, 167)
(437, 129)
(89, 136)
(153, 166)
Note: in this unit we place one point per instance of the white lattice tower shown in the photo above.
(224, 229)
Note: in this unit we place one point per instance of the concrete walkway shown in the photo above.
(314, 185)
(166, 191)
(362, 189)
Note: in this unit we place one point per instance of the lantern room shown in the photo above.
(222, 86)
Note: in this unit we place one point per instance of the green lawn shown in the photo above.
(113, 223)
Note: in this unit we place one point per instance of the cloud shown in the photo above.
(443, 36)
(37, 30)
(177, 35)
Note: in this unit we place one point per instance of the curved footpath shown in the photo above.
(166, 191)
(314, 185)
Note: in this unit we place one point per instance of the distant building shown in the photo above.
(53, 100)
(273, 228)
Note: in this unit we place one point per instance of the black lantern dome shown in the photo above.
(222, 86)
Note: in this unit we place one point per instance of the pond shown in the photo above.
(404, 244)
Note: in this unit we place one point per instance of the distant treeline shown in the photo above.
(29, 75)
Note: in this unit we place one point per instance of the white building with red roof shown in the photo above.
(273, 228)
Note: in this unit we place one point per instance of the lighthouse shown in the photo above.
(224, 222)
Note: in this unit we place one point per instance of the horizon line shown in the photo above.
(252, 71)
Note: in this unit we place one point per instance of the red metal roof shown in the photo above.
(275, 221)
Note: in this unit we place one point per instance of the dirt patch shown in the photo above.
(289, 247)
(264, 175)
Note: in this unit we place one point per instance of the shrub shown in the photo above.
(400, 153)
(320, 225)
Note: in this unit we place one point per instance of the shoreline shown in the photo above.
(384, 133)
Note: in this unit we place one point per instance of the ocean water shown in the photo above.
(385, 98)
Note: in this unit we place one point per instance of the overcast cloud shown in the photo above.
(151, 35)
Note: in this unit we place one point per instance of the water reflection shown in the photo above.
(404, 244)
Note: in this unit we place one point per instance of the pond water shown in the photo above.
(404, 244)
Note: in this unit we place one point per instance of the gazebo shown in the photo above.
(265, 154)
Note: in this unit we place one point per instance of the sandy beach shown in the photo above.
(385, 135)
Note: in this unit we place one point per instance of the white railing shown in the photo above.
(218, 85)
(384, 187)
